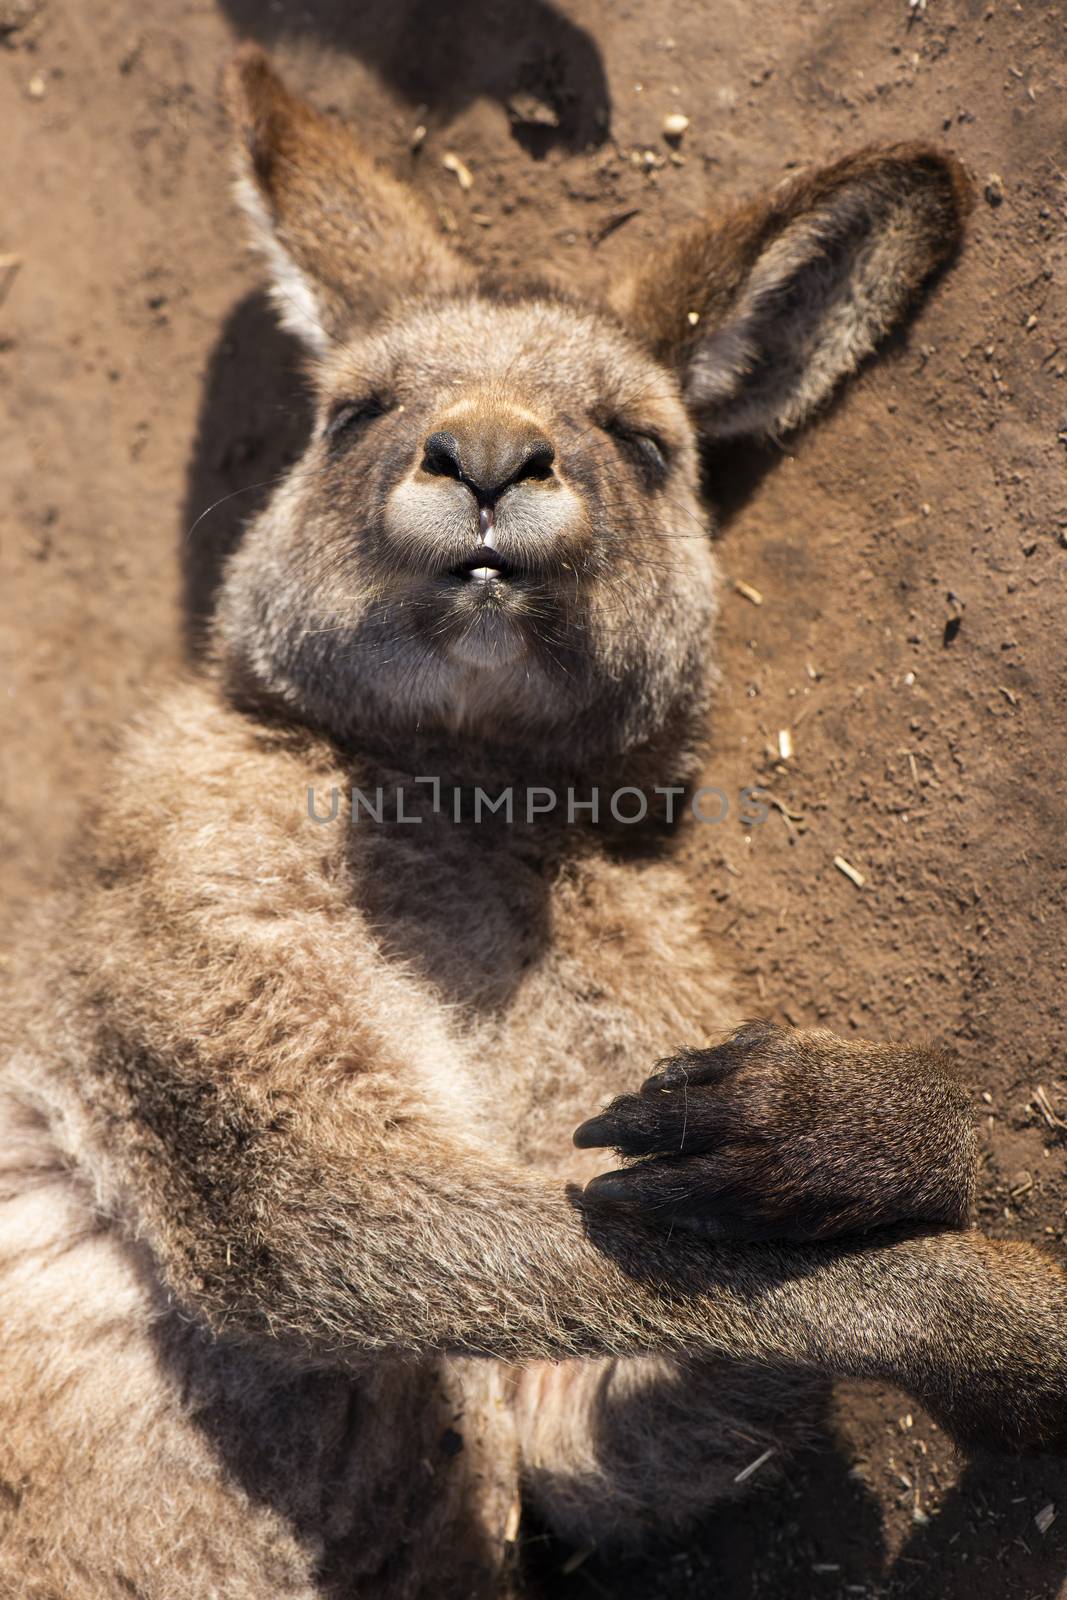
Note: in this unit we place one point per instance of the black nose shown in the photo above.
(487, 468)
(442, 456)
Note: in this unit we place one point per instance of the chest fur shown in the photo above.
(561, 984)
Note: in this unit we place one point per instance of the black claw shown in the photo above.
(595, 1134)
(611, 1188)
(629, 1125)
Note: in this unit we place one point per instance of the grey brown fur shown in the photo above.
(289, 1203)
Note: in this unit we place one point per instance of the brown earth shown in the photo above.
(910, 549)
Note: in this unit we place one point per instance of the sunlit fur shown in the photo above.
(340, 601)
(302, 1293)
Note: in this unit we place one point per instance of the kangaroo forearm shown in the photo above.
(412, 1247)
(403, 1242)
(974, 1328)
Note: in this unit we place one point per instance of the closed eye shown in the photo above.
(644, 449)
(351, 415)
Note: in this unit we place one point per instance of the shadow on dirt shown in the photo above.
(813, 1532)
(986, 1541)
(542, 68)
(817, 1532)
(254, 421)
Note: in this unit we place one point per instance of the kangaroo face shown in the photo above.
(496, 529)
(535, 475)
(496, 524)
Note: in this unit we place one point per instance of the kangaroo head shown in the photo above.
(497, 528)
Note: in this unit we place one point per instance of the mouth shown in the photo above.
(483, 565)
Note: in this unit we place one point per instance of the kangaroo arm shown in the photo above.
(402, 1241)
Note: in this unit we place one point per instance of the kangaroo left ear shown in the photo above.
(344, 240)
(763, 310)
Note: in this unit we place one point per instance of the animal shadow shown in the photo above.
(1000, 1534)
(542, 68)
(254, 421)
(815, 1530)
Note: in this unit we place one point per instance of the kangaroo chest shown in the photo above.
(559, 987)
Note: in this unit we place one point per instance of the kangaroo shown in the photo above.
(308, 1283)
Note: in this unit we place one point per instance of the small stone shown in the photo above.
(36, 87)
(994, 189)
(452, 163)
(674, 125)
(1045, 1518)
(532, 110)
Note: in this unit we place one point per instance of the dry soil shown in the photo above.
(910, 549)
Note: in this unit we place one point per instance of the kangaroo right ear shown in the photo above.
(762, 310)
(343, 240)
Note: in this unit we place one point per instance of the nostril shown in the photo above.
(442, 455)
(537, 462)
(487, 469)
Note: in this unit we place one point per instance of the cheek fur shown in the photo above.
(427, 520)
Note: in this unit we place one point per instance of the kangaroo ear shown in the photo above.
(763, 310)
(342, 239)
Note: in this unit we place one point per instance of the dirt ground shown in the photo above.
(910, 549)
